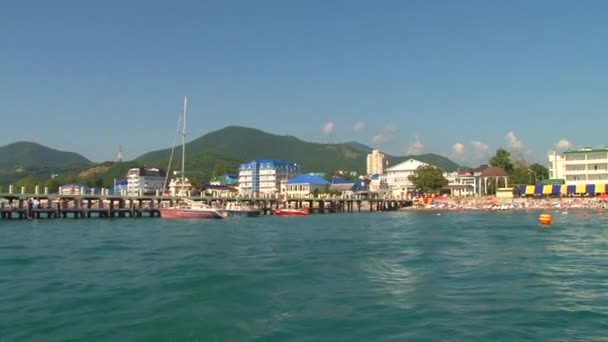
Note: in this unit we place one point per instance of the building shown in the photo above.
(145, 181)
(304, 185)
(582, 166)
(180, 187)
(263, 177)
(461, 183)
(396, 178)
(120, 186)
(375, 162)
(225, 179)
(489, 179)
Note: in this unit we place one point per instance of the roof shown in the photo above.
(342, 186)
(458, 186)
(374, 176)
(551, 181)
(408, 165)
(307, 179)
(268, 163)
(494, 171)
(587, 150)
(340, 180)
(480, 168)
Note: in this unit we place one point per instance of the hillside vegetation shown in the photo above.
(221, 150)
(30, 159)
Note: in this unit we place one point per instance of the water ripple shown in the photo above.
(369, 276)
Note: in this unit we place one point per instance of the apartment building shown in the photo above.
(587, 165)
(263, 177)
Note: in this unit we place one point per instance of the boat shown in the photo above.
(189, 209)
(240, 209)
(184, 207)
(290, 212)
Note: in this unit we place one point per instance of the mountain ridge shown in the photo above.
(223, 149)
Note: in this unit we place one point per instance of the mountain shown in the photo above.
(430, 158)
(234, 145)
(220, 151)
(21, 159)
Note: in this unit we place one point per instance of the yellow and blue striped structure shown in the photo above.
(562, 189)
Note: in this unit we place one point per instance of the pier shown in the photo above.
(55, 206)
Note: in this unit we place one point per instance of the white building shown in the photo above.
(144, 181)
(397, 180)
(263, 177)
(375, 162)
(303, 186)
(582, 166)
(461, 183)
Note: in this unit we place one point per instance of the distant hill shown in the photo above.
(430, 158)
(224, 149)
(234, 145)
(21, 159)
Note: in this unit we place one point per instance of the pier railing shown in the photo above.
(42, 204)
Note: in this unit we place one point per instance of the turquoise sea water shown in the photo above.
(400, 276)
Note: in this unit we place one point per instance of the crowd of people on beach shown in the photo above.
(518, 203)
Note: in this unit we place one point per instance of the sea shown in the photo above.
(390, 276)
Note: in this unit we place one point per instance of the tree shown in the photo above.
(520, 175)
(428, 178)
(502, 159)
(220, 169)
(539, 171)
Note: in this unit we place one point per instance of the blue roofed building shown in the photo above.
(348, 188)
(263, 177)
(304, 185)
(225, 179)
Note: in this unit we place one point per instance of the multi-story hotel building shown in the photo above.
(145, 181)
(397, 181)
(375, 162)
(263, 177)
(582, 166)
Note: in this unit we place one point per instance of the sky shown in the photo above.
(456, 78)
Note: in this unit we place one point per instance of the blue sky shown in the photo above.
(458, 78)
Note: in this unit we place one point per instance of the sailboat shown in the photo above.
(185, 207)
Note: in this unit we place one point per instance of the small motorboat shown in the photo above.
(290, 212)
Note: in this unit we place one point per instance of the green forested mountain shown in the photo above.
(234, 145)
(216, 152)
(29, 159)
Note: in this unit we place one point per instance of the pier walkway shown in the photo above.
(36, 206)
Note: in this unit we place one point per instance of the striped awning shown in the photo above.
(556, 189)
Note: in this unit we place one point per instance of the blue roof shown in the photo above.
(308, 179)
(375, 176)
(340, 180)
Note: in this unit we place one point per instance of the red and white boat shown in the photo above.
(188, 209)
(290, 212)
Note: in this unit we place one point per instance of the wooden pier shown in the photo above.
(52, 206)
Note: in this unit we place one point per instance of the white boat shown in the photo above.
(189, 209)
(241, 209)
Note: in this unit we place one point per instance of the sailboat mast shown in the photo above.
(184, 141)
